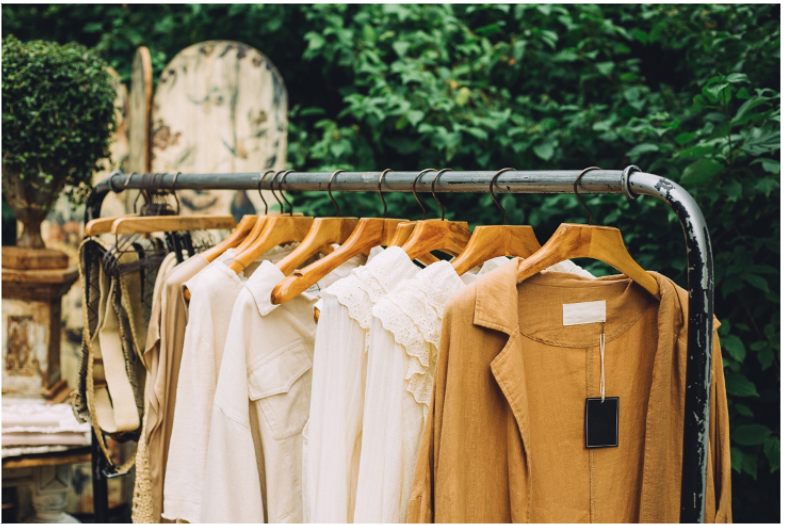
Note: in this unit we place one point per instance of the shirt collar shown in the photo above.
(267, 276)
(496, 302)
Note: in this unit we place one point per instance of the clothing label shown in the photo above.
(584, 313)
(602, 422)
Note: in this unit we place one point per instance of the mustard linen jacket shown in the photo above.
(504, 438)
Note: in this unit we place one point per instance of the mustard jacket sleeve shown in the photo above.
(421, 505)
(719, 471)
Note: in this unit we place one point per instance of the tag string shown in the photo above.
(602, 364)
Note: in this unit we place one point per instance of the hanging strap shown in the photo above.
(106, 376)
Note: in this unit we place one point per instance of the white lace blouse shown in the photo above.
(332, 436)
(403, 342)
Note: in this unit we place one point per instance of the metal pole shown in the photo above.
(629, 182)
(700, 282)
(600, 181)
(100, 490)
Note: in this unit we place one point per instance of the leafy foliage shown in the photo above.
(690, 92)
(58, 114)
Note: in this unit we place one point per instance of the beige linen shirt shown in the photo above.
(504, 439)
(162, 357)
(261, 404)
(213, 293)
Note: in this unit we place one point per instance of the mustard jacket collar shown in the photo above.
(496, 303)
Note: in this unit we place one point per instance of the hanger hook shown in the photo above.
(272, 190)
(414, 192)
(330, 192)
(111, 178)
(495, 200)
(280, 189)
(433, 192)
(379, 188)
(259, 188)
(125, 187)
(575, 188)
(174, 193)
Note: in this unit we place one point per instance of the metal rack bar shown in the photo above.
(630, 182)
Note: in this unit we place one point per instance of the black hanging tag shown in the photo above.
(602, 422)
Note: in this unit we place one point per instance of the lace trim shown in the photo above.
(413, 314)
(363, 288)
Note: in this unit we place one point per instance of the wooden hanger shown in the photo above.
(261, 221)
(369, 233)
(249, 229)
(437, 234)
(236, 237)
(488, 242)
(102, 225)
(402, 232)
(171, 223)
(324, 232)
(596, 242)
(278, 229)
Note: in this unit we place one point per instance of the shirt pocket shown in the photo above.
(282, 387)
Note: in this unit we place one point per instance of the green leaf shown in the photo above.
(700, 102)
(771, 447)
(315, 41)
(717, 91)
(760, 142)
(605, 68)
(766, 186)
(743, 410)
(701, 171)
(757, 281)
(743, 94)
(736, 457)
(770, 165)
(640, 36)
(750, 435)
(414, 116)
(401, 47)
(743, 114)
(93, 27)
(735, 78)
(765, 358)
(733, 190)
(698, 150)
(735, 348)
(640, 149)
(685, 138)
(739, 386)
(545, 150)
(749, 464)
(463, 97)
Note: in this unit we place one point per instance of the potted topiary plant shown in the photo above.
(58, 119)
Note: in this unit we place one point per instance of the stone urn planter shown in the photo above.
(58, 118)
(31, 198)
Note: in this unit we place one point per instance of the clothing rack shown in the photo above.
(631, 182)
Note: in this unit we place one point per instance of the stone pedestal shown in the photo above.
(31, 321)
(51, 485)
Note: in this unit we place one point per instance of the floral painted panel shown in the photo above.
(220, 107)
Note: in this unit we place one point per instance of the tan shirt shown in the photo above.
(504, 439)
(162, 355)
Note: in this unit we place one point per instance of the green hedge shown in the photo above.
(690, 92)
